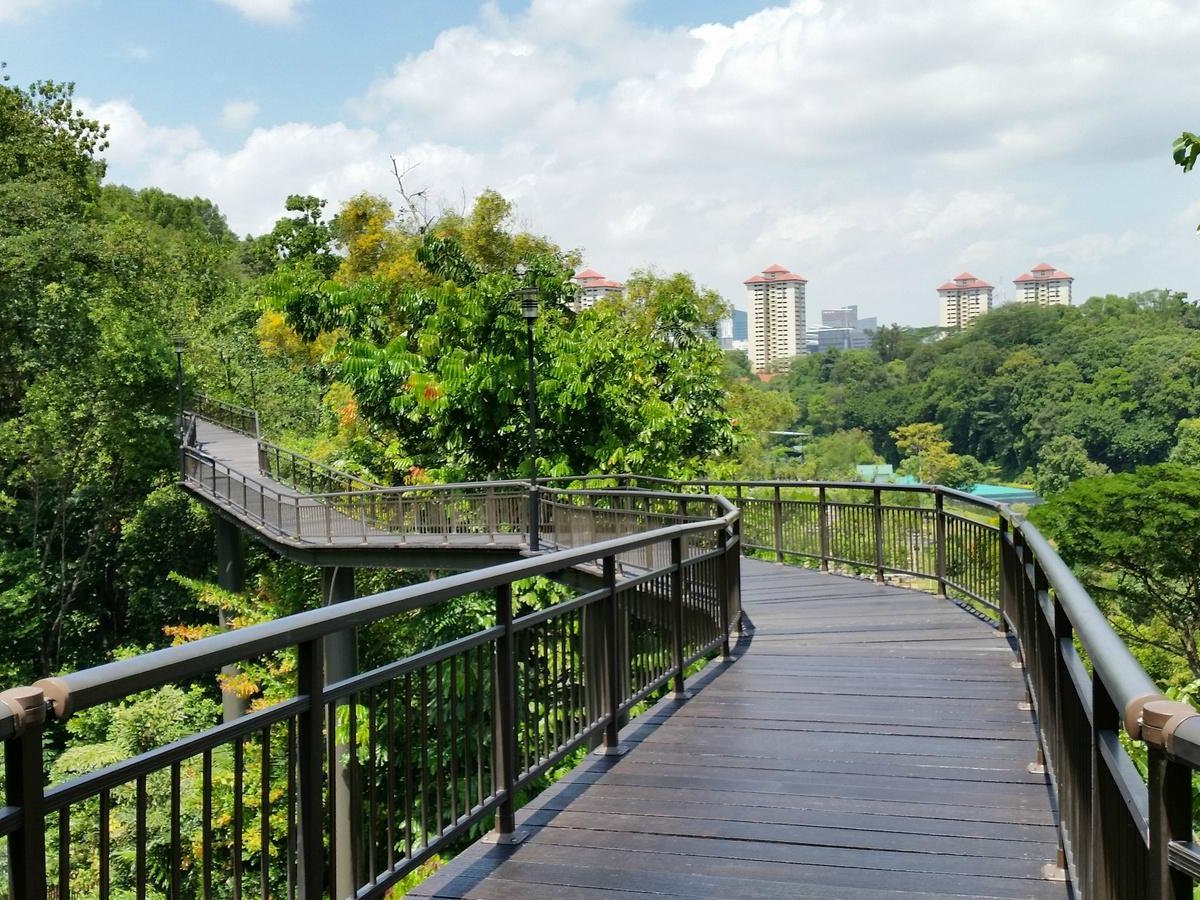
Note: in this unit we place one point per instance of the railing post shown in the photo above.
(310, 776)
(679, 693)
(1170, 789)
(506, 718)
(1006, 575)
(340, 651)
(25, 789)
(939, 527)
(777, 507)
(725, 582)
(823, 526)
(877, 517)
(735, 578)
(612, 740)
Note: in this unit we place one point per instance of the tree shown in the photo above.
(1061, 461)
(303, 239)
(1134, 540)
(1187, 443)
(1186, 151)
(931, 460)
(437, 366)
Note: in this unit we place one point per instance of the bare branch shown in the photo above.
(416, 201)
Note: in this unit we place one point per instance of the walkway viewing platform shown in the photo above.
(865, 741)
(963, 730)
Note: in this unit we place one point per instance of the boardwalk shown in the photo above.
(296, 521)
(866, 742)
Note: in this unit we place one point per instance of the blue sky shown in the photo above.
(876, 146)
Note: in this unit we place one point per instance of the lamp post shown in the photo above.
(530, 311)
(180, 345)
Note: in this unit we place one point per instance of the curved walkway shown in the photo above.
(866, 742)
(311, 529)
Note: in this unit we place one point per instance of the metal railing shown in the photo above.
(1123, 835)
(944, 536)
(428, 746)
(306, 474)
(229, 415)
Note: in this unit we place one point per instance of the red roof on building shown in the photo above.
(602, 283)
(775, 274)
(964, 281)
(1044, 273)
(587, 274)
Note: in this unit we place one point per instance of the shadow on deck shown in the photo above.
(865, 741)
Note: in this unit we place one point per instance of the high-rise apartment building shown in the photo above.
(962, 300)
(775, 298)
(1045, 286)
(592, 287)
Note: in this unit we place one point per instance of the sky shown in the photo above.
(876, 147)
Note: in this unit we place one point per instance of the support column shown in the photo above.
(341, 662)
(231, 576)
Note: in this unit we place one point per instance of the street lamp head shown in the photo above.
(180, 343)
(519, 270)
(530, 304)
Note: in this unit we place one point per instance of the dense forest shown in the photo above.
(1111, 384)
(385, 339)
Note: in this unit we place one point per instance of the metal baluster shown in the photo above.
(25, 789)
(506, 743)
(310, 771)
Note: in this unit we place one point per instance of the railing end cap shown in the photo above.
(28, 705)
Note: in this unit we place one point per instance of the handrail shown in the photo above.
(269, 453)
(228, 415)
(680, 610)
(101, 684)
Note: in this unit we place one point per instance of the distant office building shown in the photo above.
(841, 329)
(592, 287)
(741, 325)
(963, 299)
(777, 322)
(1045, 286)
(733, 332)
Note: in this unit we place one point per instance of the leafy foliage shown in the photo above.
(1134, 538)
(1116, 374)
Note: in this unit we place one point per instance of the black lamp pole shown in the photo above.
(180, 346)
(530, 311)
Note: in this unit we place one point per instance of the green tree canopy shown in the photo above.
(1134, 539)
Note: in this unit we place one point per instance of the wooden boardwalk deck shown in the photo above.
(865, 742)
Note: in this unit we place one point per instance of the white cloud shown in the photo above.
(239, 114)
(134, 144)
(22, 10)
(1088, 248)
(878, 146)
(269, 12)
